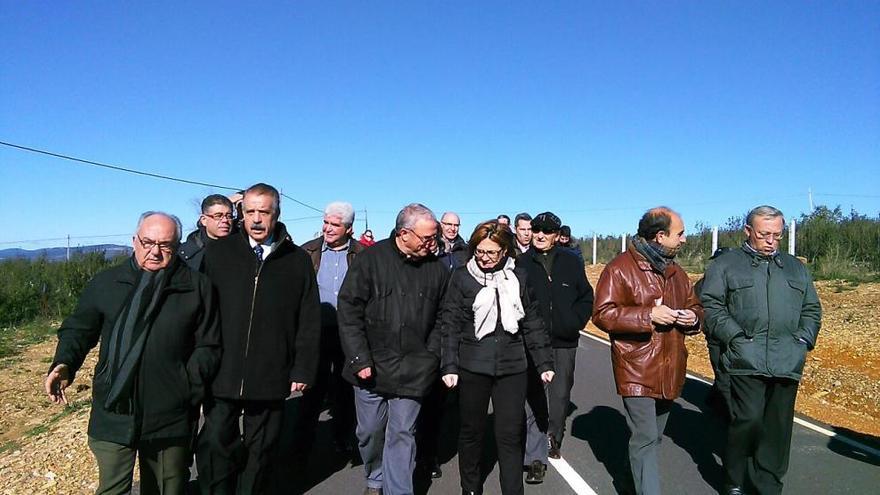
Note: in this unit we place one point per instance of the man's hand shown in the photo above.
(450, 380)
(57, 380)
(686, 318)
(298, 387)
(365, 374)
(663, 315)
(547, 377)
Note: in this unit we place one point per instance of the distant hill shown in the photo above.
(60, 253)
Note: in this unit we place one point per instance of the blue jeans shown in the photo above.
(386, 439)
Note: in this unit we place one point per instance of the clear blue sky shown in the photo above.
(595, 111)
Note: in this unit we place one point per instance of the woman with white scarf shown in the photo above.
(491, 330)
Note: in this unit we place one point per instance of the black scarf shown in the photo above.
(129, 335)
(658, 256)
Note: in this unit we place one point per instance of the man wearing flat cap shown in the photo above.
(566, 300)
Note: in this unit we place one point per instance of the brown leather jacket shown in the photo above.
(648, 360)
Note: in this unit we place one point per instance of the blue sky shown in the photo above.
(595, 111)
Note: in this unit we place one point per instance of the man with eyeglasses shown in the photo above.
(389, 325)
(158, 327)
(761, 305)
(215, 221)
(271, 325)
(566, 301)
(452, 248)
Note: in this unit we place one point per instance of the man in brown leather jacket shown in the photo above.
(646, 302)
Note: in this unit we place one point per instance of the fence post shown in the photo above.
(623, 243)
(594, 249)
(792, 231)
(714, 240)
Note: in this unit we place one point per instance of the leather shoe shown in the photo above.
(553, 448)
(537, 469)
(372, 491)
(469, 492)
(436, 472)
(735, 490)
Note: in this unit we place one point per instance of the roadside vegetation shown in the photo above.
(836, 246)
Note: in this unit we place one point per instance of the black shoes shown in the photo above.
(734, 490)
(553, 448)
(435, 470)
(537, 469)
(431, 468)
(469, 492)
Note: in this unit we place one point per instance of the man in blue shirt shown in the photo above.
(331, 255)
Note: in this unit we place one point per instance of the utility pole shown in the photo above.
(810, 195)
(68, 247)
(366, 220)
(594, 248)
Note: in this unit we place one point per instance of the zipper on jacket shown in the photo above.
(247, 342)
(767, 340)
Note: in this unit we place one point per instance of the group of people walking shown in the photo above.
(237, 318)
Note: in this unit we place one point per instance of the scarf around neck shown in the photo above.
(500, 290)
(658, 256)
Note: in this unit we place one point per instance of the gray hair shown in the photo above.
(342, 210)
(412, 213)
(450, 213)
(178, 228)
(763, 211)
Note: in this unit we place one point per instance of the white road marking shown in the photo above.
(571, 477)
(806, 424)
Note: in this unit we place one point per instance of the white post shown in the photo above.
(623, 243)
(68, 247)
(594, 249)
(714, 240)
(792, 231)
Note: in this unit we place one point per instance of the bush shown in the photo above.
(836, 246)
(39, 288)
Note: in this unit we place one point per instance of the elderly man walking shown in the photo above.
(157, 324)
(271, 327)
(452, 248)
(762, 306)
(332, 254)
(390, 332)
(646, 302)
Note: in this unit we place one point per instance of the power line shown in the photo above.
(140, 172)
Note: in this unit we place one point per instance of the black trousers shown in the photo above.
(329, 385)
(508, 394)
(233, 460)
(759, 435)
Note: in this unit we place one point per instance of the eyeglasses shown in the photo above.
(219, 216)
(149, 244)
(450, 224)
(491, 253)
(426, 240)
(538, 230)
(764, 235)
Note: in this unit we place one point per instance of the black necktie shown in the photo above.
(258, 250)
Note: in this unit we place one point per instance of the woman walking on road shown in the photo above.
(490, 322)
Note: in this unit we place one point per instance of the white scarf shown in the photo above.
(505, 285)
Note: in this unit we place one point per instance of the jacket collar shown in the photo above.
(179, 275)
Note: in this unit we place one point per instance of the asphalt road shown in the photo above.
(594, 450)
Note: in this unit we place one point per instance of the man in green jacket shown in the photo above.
(762, 306)
(158, 327)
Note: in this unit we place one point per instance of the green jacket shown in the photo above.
(765, 310)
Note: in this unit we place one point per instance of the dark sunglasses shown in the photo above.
(546, 230)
